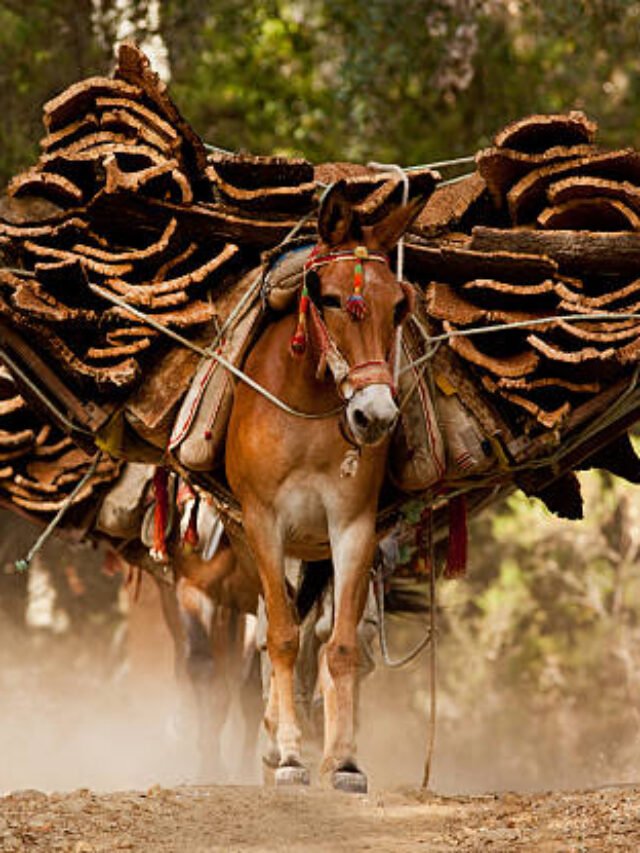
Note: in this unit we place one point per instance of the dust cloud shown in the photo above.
(97, 707)
(493, 741)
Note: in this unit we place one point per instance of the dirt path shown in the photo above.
(199, 819)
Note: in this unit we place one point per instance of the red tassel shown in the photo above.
(356, 307)
(458, 538)
(190, 539)
(160, 478)
(299, 339)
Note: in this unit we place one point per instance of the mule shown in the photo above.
(309, 488)
(208, 611)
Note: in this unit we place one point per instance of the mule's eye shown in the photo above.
(330, 301)
(400, 312)
(312, 280)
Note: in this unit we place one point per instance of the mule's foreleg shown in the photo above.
(352, 556)
(282, 637)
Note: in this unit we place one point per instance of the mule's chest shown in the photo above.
(309, 507)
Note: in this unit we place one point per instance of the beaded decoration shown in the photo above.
(356, 306)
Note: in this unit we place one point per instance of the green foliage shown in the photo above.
(355, 79)
(547, 624)
(44, 46)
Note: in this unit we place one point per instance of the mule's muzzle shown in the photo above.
(371, 414)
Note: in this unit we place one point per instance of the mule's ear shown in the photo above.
(386, 233)
(336, 217)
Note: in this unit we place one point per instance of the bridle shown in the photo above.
(311, 327)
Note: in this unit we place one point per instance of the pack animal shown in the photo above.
(295, 479)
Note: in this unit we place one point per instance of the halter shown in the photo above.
(356, 306)
(311, 326)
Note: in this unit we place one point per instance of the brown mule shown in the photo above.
(309, 488)
(208, 612)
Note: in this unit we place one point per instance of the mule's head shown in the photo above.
(358, 301)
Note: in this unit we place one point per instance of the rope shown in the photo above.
(519, 324)
(615, 411)
(37, 392)
(398, 663)
(23, 565)
(256, 284)
(217, 150)
(393, 168)
(439, 164)
(209, 353)
(442, 164)
(18, 271)
(433, 661)
(455, 180)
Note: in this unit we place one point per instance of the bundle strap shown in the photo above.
(457, 545)
(161, 512)
(187, 501)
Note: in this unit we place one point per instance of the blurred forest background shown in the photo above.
(408, 82)
(540, 644)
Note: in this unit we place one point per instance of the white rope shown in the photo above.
(443, 164)
(394, 169)
(393, 663)
(520, 324)
(455, 180)
(208, 353)
(23, 565)
(215, 149)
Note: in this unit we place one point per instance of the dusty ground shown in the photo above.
(199, 819)
(66, 722)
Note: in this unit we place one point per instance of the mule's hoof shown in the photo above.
(292, 774)
(351, 781)
(271, 759)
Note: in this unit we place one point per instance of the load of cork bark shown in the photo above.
(126, 206)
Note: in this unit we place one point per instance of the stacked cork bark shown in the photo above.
(39, 466)
(125, 202)
(110, 141)
(547, 227)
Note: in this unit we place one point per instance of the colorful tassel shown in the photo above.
(458, 538)
(356, 306)
(187, 502)
(299, 339)
(161, 512)
(190, 538)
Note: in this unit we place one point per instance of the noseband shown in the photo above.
(348, 379)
